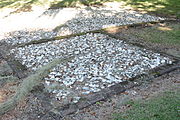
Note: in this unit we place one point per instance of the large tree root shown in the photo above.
(29, 83)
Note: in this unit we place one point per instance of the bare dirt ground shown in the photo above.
(32, 108)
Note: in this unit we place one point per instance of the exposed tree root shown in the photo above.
(29, 83)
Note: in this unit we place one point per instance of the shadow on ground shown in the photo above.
(164, 8)
(169, 8)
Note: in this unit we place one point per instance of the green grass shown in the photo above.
(168, 34)
(163, 107)
(160, 7)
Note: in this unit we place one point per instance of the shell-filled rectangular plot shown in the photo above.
(100, 62)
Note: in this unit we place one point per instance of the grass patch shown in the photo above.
(165, 7)
(163, 107)
(168, 34)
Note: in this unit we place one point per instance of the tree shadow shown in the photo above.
(26, 7)
(51, 14)
(18, 5)
(5, 3)
(74, 3)
(161, 8)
